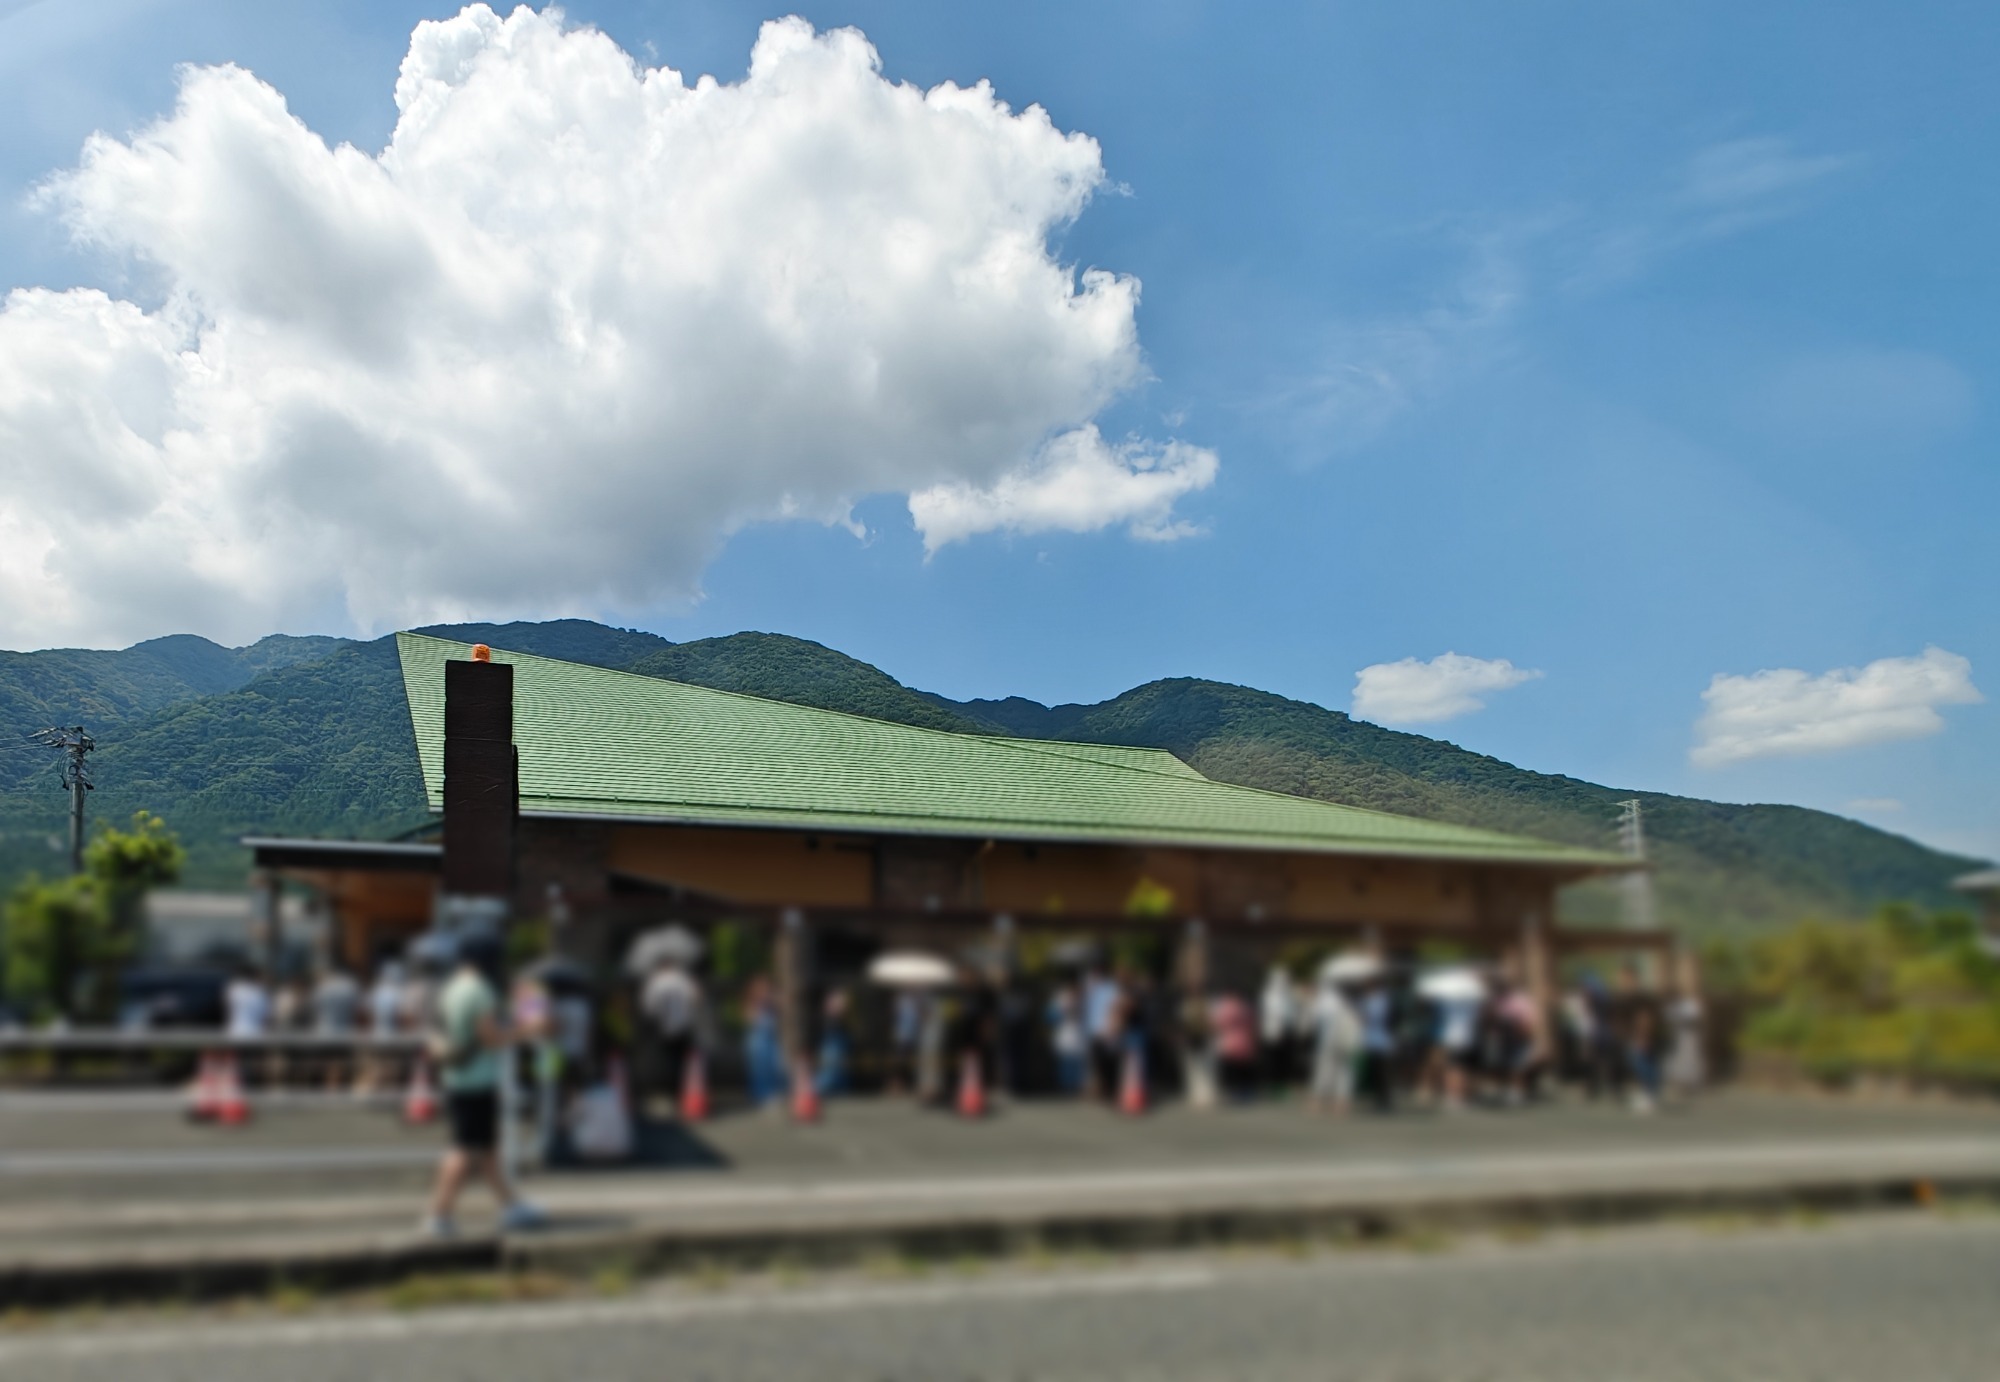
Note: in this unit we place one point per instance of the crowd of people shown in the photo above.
(1352, 1033)
(1377, 1037)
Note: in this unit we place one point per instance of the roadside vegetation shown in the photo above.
(64, 943)
(1907, 996)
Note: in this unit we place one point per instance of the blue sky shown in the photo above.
(1633, 345)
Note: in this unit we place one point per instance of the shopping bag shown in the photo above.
(600, 1127)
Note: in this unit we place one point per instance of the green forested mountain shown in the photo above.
(568, 640)
(312, 736)
(783, 668)
(100, 689)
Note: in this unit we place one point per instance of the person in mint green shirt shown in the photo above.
(469, 1039)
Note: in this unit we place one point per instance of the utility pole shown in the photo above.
(74, 744)
(1638, 884)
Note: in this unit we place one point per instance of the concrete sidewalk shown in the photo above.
(102, 1201)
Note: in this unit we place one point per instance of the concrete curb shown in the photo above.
(212, 1274)
(1165, 1228)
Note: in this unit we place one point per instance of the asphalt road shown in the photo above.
(1867, 1299)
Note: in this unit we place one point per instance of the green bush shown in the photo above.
(64, 943)
(1904, 994)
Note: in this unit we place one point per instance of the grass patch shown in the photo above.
(290, 1298)
(1968, 1206)
(896, 1266)
(19, 1319)
(1724, 1223)
(712, 1276)
(613, 1280)
(1424, 1239)
(1041, 1258)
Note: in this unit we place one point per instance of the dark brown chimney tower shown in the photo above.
(482, 791)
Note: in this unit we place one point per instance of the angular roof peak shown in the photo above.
(601, 743)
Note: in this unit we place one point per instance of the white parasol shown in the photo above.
(1456, 985)
(668, 945)
(1350, 967)
(911, 969)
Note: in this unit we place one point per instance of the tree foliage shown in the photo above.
(64, 943)
(1907, 994)
(124, 864)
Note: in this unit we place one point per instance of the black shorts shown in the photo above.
(674, 1051)
(474, 1119)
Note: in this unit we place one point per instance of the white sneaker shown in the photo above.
(438, 1228)
(522, 1217)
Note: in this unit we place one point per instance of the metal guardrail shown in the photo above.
(119, 1040)
(111, 1057)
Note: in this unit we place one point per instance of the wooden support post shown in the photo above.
(791, 961)
(1538, 973)
(1197, 1049)
(1194, 957)
(1003, 950)
(266, 928)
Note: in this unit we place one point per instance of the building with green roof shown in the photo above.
(638, 799)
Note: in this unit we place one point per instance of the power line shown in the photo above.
(1638, 884)
(75, 745)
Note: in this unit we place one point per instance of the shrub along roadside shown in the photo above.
(1904, 995)
(64, 943)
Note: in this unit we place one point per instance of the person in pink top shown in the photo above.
(1234, 1030)
(1527, 1042)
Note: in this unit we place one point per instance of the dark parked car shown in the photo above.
(153, 998)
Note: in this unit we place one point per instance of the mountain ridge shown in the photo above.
(312, 736)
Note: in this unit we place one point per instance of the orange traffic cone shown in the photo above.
(694, 1088)
(1132, 1089)
(971, 1088)
(420, 1101)
(805, 1098)
(201, 1105)
(232, 1106)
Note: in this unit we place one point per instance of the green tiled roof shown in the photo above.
(600, 743)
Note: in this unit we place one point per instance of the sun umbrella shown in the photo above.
(1350, 967)
(1452, 985)
(910, 969)
(667, 945)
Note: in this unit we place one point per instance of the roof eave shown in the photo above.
(1581, 865)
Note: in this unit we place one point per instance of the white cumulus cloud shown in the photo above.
(577, 322)
(1784, 711)
(1080, 484)
(1411, 692)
